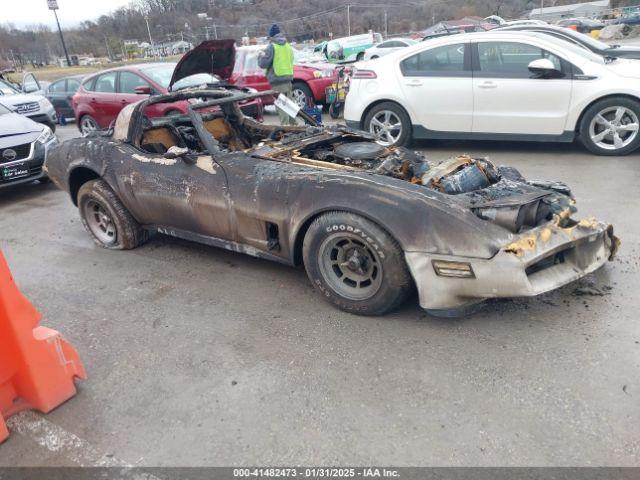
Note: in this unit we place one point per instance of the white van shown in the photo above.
(350, 49)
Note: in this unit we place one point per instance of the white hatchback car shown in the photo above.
(386, 47)
(498, 86)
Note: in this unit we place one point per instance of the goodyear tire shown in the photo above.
(355, 264)
(106, 219)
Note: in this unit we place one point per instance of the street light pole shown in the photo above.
(54, 6)
(348, 21)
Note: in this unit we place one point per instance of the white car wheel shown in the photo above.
(613, 128)
(386, 126)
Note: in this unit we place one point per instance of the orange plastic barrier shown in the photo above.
(37, 365)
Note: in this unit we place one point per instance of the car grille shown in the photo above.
(21, 152)
(27, 107)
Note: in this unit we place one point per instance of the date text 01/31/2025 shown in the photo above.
(316, 472)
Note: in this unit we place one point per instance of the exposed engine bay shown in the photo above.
(499, 194)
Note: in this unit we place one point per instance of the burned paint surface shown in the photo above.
(241, 180)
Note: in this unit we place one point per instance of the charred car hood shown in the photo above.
(216, 57)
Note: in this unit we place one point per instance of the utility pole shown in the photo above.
(348, 20)
(386, 26)
(53, 5)
(106, 42)
(153, 49)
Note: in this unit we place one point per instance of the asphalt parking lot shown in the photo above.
(199, 356)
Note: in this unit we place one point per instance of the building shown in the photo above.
(587, 9)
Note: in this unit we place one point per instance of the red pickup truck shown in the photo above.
(309, 80)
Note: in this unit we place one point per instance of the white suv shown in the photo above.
(28, 102)
(498, 86)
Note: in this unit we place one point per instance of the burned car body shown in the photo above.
(367, 221)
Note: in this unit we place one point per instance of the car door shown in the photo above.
(436, 84)
(57, 94)
(30, 84)
(71, 88)
(177, 195)
(103, 99)
(509, 99)
(127, 84)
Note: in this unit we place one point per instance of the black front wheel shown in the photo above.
(611, 126)
(355, 264)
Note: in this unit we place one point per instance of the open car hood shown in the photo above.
(216, 57)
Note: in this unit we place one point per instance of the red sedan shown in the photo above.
(309, 80)
(101, 96)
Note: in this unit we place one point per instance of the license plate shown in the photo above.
(14, 171)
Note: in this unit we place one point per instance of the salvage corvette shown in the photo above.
(368, 222)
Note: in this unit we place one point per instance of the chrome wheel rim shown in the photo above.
(349, 267)
(614, 128)
(386, 126)
(87, 125)
(100, 222)
(299, 97)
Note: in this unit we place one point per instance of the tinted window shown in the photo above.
(90, 84)
(448, 59)
(106, 83)
(129, 81)
(57, 87)
(72, 85)
(511, 59)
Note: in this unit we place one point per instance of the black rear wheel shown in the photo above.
(335, 110)
(106, 219)
(390, 123)
(355, 264)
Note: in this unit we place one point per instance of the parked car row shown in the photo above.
(96, 100)
(523, 82)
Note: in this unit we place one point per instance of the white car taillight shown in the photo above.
(363, 74)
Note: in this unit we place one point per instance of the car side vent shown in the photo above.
(273, 239)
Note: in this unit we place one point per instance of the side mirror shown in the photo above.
(544, 68)
(143, 90)
(176, 152)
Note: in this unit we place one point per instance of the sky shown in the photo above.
(70, 13)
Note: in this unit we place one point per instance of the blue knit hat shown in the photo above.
(274, 30)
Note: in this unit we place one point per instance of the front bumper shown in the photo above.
(540, 260)
(47, 118)
(319, 86)
(34, 163)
